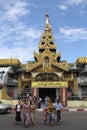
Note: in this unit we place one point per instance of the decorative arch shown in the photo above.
(47, 77)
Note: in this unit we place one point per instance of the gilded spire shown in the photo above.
(47, 45)
(47, 40)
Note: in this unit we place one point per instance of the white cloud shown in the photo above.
(13, 11)
(17, 40)
(69, 3)
(63, 7)
(74, 34)
(17, 52)
(32, 33)
(15, 30)
(23, 50)
(75, 2)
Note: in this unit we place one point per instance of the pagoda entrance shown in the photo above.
(51, 92)
(49, 84)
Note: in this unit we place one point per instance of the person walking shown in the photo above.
(18, 109)
(51, 111)
(58, 107)
(46, 101)
(45, 115)
(33, 113)
(26, 113)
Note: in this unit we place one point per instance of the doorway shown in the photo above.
(50, 92)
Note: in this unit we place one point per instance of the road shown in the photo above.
(70, 121)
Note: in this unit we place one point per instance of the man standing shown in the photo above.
(58, 107)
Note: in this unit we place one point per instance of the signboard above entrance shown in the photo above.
(49, 84)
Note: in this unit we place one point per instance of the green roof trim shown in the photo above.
(10, 84)
(22, 69)
(83, 84)
(63, 61)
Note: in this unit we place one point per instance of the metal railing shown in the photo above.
(16, 94)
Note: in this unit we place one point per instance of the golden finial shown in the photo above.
(47, 18)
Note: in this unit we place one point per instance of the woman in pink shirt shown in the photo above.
(26, 113)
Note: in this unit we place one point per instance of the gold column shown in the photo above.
(75, 87)
(64, 96)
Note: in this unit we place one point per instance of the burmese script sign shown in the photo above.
(49, 84)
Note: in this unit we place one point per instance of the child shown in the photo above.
(45, 115)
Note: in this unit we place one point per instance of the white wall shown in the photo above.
(4, 76)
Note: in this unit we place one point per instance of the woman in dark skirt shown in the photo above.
(18, 109)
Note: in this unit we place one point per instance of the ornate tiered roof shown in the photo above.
(47, 57)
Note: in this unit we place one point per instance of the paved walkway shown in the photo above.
(68, 108)
(64, 109)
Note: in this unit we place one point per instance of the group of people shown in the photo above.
(51, 112)
(28, 111)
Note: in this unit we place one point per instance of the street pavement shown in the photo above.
(71, 120)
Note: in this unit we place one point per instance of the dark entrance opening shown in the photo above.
(50, 92)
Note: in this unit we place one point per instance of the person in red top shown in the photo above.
(18, 109)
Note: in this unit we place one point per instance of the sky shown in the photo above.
(22, 23)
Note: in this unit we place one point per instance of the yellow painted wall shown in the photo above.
(77, 103)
